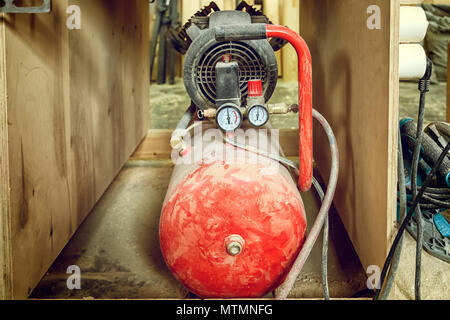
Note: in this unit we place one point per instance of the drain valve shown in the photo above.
(234, 244)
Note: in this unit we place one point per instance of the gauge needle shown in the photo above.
(229, 118)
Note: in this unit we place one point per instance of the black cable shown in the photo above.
(408, 218)
(402, 214)
(438, 195)
(429, 200)
(424, 87)
(438, 190)
(426, 206)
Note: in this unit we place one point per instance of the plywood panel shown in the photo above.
(272, 11)
(356, 88)
(438, 2)
(5, 221)
(228, 5)
(290, 17)
(77, 107)
(178, 57)
(188, 9)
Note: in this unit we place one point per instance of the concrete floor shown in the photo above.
(117, 247)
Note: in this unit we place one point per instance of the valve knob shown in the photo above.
(255, 88)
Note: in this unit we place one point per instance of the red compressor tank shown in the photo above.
(231, 228)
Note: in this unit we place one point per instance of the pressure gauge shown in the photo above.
(229, 117)
(258, 115)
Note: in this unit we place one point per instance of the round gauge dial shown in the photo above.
(229, 118)
(258, 115)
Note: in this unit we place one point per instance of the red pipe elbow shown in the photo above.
(304, 101)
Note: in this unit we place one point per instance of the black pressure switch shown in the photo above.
(227, 84)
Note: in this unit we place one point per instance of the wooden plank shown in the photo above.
(438, 2)
(411, 2)
(156, 144)
(188, 9)
(394, 115)
(178, 57)
(5, 221)
(355, 85)
(228, 5)
(272, 10)
(290, 17)
(36, 114)
(77, 108)
(152, 18)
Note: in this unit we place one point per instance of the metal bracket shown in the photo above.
(10, 7)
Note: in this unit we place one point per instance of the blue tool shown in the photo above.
(442, 225)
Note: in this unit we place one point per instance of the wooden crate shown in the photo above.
(73, 107)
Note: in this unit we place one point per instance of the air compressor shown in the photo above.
(235, 228)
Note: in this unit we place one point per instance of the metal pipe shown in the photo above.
(187, 117)
(304, 101)
(176, 140)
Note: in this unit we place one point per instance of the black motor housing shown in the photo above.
(255, 58)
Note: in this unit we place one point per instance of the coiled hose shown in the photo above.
(401, 230)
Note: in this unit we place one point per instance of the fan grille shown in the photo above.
(250, 63)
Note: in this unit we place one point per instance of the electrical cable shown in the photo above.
(438, 196)
(402, 214)
(445, 194)
(424, 87)
(433, 201)
(425, 206)
(438, 191)
(408, 218)
(429, 200)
